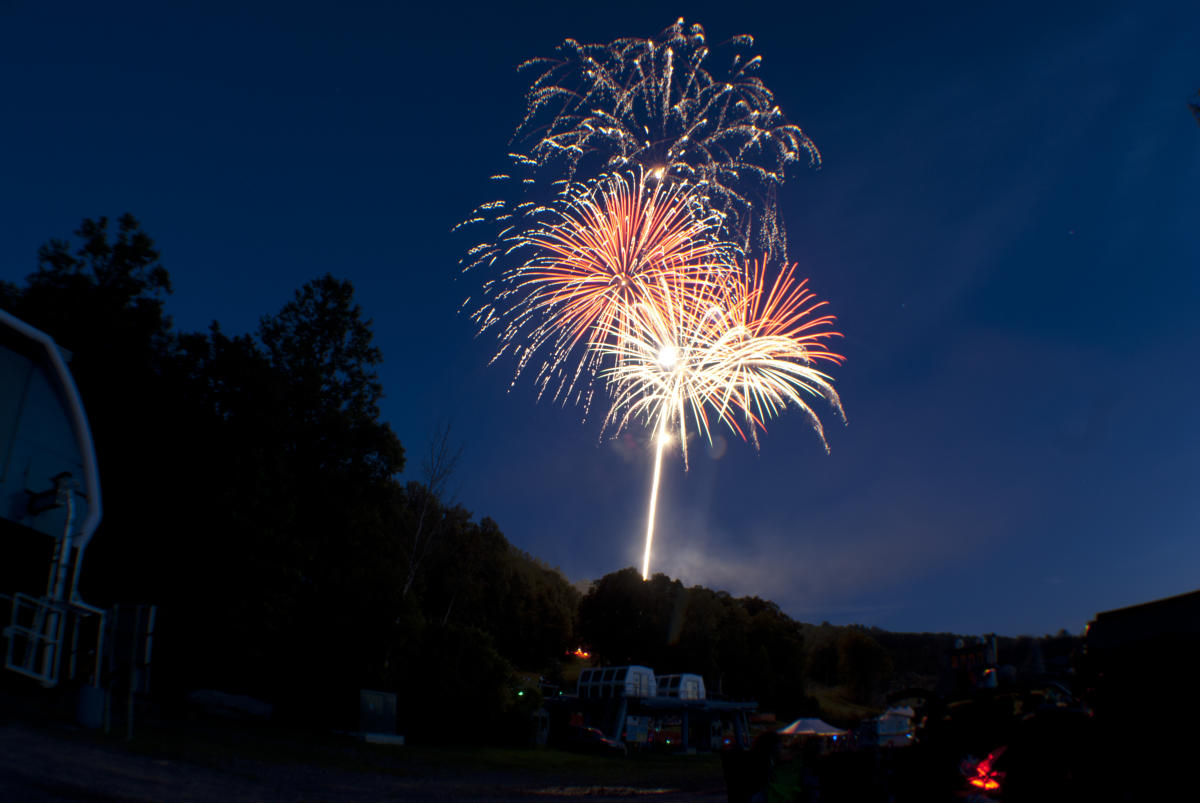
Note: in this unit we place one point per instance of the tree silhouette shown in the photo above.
(426, 499)
(254, 493)
(320, 343)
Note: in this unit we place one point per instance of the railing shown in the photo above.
(35, 634)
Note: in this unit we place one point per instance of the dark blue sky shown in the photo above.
(1006, 222)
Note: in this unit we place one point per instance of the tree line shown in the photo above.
(252, 492)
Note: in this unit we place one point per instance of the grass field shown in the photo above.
(222, 746)
(46, 757)
(53, 762)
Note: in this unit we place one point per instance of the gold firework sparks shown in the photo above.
(736, 351)
(741, 351)
(583, 263)
(636, 275)
(655, 103)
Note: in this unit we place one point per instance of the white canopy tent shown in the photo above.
(810, 726)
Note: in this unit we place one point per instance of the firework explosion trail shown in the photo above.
(655, 103)
(585, 260)
(741, 350)
(637, 276)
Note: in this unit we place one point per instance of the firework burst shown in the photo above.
(580, 265)
(719, 351)
(654, 103)
(736, 352)
(636, 277)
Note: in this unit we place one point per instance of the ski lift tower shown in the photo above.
(49, 488)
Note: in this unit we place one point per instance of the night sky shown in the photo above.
(1006, 222)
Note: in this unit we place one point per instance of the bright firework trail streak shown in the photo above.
(662, 441)
(666, 358)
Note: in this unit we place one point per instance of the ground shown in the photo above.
(48, 760)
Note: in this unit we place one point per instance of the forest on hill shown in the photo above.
(253, 493)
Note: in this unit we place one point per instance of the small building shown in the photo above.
(49, 509)
(633, 705)
(607, 682)
(681, 687)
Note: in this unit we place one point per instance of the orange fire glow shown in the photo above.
(985, 777)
